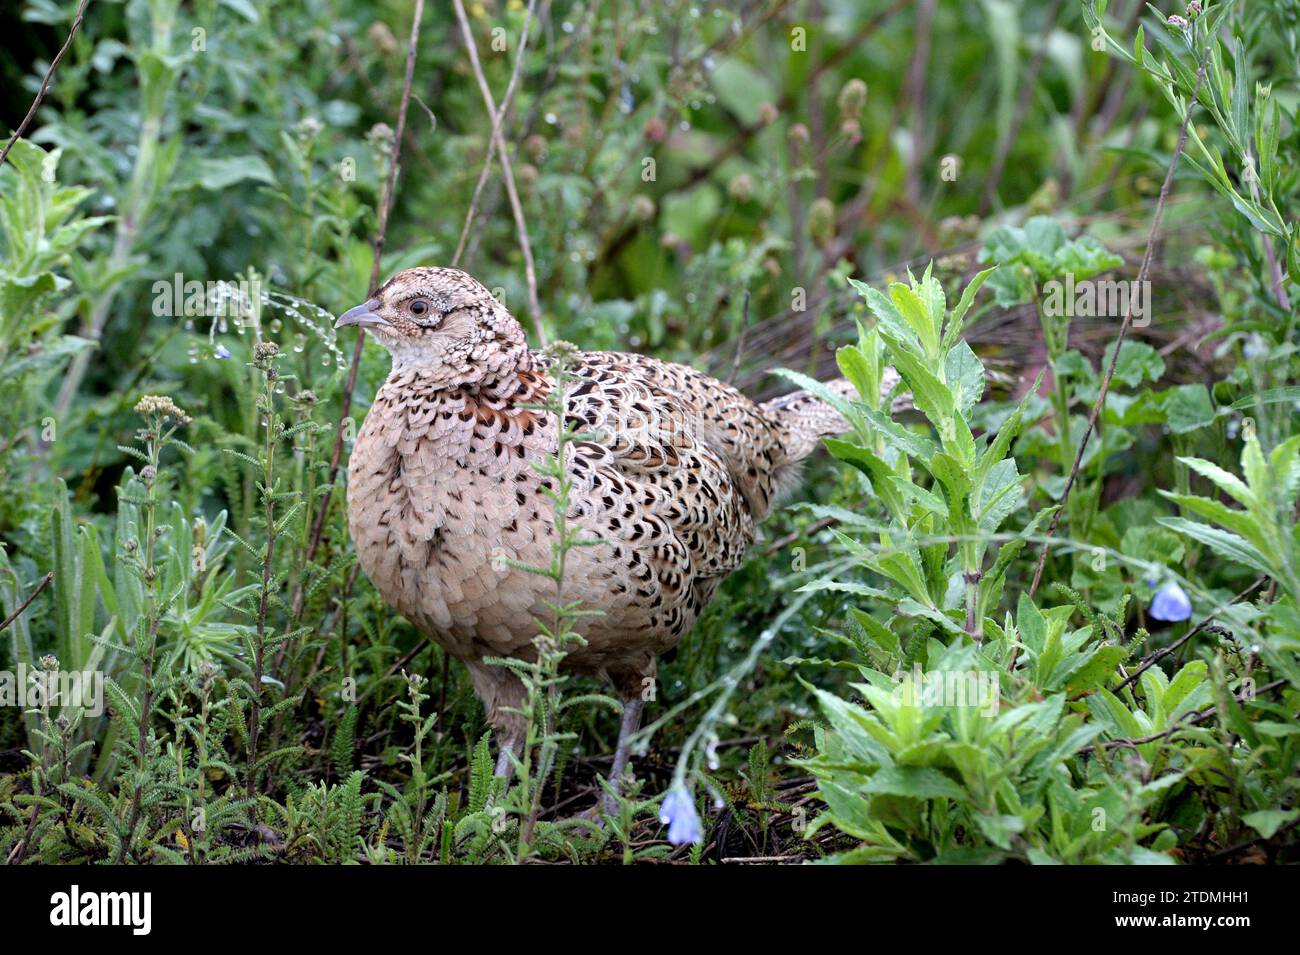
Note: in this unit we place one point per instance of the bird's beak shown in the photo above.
(366, 315)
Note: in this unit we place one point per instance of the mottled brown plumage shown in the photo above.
(442, 488)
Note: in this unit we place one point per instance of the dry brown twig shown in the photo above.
(497, 119)
(507, 170)
(1160, 654)
(45, 582)
(336, 457)
(45, 83)
(1123, 329)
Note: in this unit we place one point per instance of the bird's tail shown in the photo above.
(807, 419)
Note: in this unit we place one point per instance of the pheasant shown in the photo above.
(678, 470)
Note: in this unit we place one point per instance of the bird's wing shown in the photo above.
(669, 475)
(749, 442)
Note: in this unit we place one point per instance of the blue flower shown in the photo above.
(1170, 604)
(677, 811)
(223, 351)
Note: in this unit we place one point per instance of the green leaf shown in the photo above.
(19, 294)
(999, 829)
(954, 478)
(883, 480)
(244, 8)
(965, 374)
(930, 395)
(881, 635)
(1228, 482)
(887, 315)
(908, 442)
(741, 88)
(1239, 522)
(1268, 821)
(1138, 362)
(1188, 407)
(963, 305)
(221, 173)
(1224, 544)
(1152, 545)
(1270, 396)
(917, 315)
(1097, 667)
(1108, 707)
(863, 373)
(916, 782)
(1031, 625)
(1187, 680)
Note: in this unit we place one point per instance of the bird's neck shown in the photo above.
(504, 376)
(494, 373)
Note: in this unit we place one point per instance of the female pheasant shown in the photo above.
(441, 488)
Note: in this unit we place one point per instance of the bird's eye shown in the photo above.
(419, 307)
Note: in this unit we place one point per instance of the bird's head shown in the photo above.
(442, 323)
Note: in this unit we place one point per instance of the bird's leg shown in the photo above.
(505, 770)
(628, 725)
(503, 696)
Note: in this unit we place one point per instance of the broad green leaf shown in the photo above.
(1138, 362)
(916, 782)
(1228, 482)
(1223, 543)
(917, 315)
(1239, 522)
(1184, 683)
(965, 376)
(1188, 407)
(218, 174)
(1268, 821)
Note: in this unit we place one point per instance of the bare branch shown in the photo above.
(385, 208)
(497, 120)
(45, 582)
(1123, 329)
(45, 83)
(507, 170)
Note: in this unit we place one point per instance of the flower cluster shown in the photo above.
(161, 405)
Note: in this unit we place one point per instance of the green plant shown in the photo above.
(43, 233)
(1263, 534)
(986, 738)
(543, 682)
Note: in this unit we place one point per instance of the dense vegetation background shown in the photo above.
(741, 187)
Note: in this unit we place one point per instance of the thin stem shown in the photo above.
(45, 582)
(497, 120)
(264, 596)
(507, 173)
(336, 457)
(45, 83)
(156, 441)
(1143, 270)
